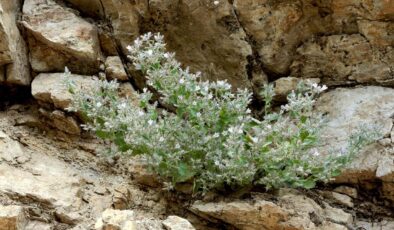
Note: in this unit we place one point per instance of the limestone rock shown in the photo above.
(244, 215)
(53, 187)
(49, 88)
(141, 174)
(337, 215)
(12, 218)
(12, 151)
(114, 69)
(343, 59)
(220, 52)
(291, 211)
(116, 220)
(382, 225)
(348, 109)
(13, 50)
(177, 223)
(277, 28)
(59, 38)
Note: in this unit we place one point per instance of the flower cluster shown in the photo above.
(209, 136)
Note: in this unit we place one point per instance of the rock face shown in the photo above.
(347, 109)
(59, 38)
(344, 59)
(292, 211)
(12, 217)
(14, 66)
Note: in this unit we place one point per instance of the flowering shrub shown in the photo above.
(211, 138)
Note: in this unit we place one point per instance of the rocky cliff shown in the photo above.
(53, 180)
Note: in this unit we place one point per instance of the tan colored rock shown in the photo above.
(338, 216)
(283, 86)
(53, 187)
(127, 90)
(381, 225)
(65, 123)
(343, 199)
(141, 174)
(13, 50)
(346, 110)
(341, 60)
(116, 220)
(352, 192)
(378, 33)
(49, 88)
(291, 211)
(245, 215)
(114, 69)
(12, 151)
(277, 28)
(177, 223)
(59, 38)
(12, 218)
(220, 52)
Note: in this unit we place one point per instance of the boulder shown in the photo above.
(50, 88)
(59, 38)
(177, 223)
(13, 50)
(12, 218)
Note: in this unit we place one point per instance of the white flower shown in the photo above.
(161, 139)
(198, 88)
(141, 113)
(177, 146)
(216, 3)
(149, 52)
(166, 55)
(198, 114)
(98, 104)
(215, 135)
(194, 103)
(181, 81)
(150, 122)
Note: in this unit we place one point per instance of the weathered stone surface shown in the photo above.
(49, 88)
(13, 50)
(378, 33)
(381, 225)
(348, 109)
(65, 123)
(12, 151)
(277, 28)
(59, 38)
(244, 215)
(291, 211)
(177, 223)
(220, 52)
(53, 187)
(114, 69)
(116, 220)
(337, 215)
(12, 218)
(343, 59)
